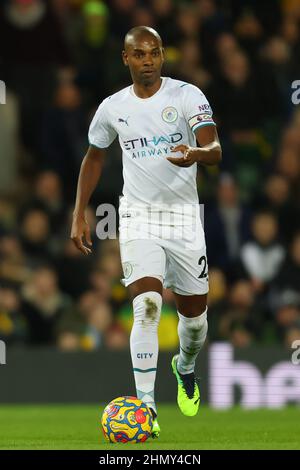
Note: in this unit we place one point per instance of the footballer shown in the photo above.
(165, 128)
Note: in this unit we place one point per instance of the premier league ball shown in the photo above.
(126, 419)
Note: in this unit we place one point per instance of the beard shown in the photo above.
(148, 80)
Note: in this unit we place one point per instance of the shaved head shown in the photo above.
(144, 55)
(138, 33)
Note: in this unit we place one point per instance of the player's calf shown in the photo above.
(192, 333)
(144, 344)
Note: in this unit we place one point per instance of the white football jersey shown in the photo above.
(147, 129)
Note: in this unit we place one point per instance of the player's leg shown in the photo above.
(192, 329)
(147, 300)
(146, 294)
(144, 265)
(145, 284)
(187, 277)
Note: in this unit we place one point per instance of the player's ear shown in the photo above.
(163, 54)
(125, 58)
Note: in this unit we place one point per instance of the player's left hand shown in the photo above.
(189, 156)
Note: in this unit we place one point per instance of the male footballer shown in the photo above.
(165, 127)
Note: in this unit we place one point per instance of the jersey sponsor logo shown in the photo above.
(125, 121)
(169, 114)
(140, 142)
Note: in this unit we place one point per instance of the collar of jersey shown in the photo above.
(162, 85)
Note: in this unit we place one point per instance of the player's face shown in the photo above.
(144, 58)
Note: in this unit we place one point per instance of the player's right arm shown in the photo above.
(101, 135)
(89, 175)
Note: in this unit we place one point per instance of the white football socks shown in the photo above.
(192, 334)
(144, 344)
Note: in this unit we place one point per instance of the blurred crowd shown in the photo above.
(59, 59)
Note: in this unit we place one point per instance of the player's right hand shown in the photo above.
(81, 231)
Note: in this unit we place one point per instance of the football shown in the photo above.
(126, 419)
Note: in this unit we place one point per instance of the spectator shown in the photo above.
(165, 17)
(116, 338)
(43, 305)
(36, 236)
(188, 22)
(71, 327)
(70, 262)
(289, 166)
(13, 267)
(241, 323)
(292, 335)
(262, 257)
(12, 322)
(217, 301)
(285, 287)
(64, 131)
(121, 13)
(227, 226)
(84, 327)
(277, 198)
(236, 90)
(250, 33)
(278, 58)
(110, 265)
(32, 28)
(190, 66)
(90, 39)
(288, 319)
(98, 320)
(226, 45)
(7, 215)
(48, 191)
(142, 15)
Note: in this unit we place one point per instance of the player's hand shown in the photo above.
(81, 231)
(190, 156)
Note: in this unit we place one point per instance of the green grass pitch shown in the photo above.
(78, 427)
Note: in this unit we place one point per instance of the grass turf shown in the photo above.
(78, 427)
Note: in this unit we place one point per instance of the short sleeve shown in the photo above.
(196, 108)
(101, 133)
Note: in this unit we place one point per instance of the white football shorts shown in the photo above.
(166, 246)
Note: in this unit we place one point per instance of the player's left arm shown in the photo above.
(209, 152)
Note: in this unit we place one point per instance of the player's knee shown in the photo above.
(196, 323)
(147, 308)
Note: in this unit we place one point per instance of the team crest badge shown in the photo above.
(170, 114)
